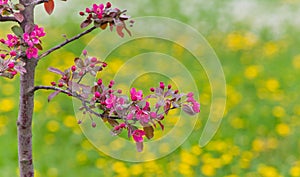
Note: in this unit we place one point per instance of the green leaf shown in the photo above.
(17, 30)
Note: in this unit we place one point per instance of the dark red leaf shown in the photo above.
(119, 29)
(49, 6)
(149, 131)
(39, 46)
(85, 23)
(112, 122)
(161, 125)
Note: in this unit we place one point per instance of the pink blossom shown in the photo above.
(31, 39)
(143, 114)
(110, 101)
(130, 116)
(31, 52)
(39, 31)
(98, 9)
(136, 96)
(153, 114)
(3, 2)
(12, 40)
(196, 107)
(138, 135)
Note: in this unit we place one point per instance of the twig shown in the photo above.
(37, 2)
(8, 19)
(84, 102)
(66, 42)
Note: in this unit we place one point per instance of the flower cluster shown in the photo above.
(132, 113)
(32, 40)
(19, 44)
(3, 2)
(103, 15)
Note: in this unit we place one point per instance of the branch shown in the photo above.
(36, 2)
(8, 19)
(66, 42)
(84, 102)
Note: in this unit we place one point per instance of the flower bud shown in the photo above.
(12, 53)
(152, 89)
(97, 94)
(2, 55)
(87, 10)
(11, 65)
(53, 83)
(60, 84)
(84, 52)
(94, 124)
(14, 73)
(104, 64)
(81, 13)
(94, 59)
(73, 68)
(169, 86)
(108, 5)
(162, 85)
(176, 91)
(99, 82)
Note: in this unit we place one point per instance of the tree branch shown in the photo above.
(84, 102)
(8, 19)
(36, 2)
(66, 42)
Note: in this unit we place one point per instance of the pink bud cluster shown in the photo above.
(32, 40)
(133, 113)
(104, 15)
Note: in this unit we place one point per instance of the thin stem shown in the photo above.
(37, 2)
(84, 102)
(66, 42)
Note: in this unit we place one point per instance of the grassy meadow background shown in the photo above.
(258, 44)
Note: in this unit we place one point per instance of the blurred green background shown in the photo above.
(257, 43)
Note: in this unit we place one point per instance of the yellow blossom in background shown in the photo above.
(7, 104)
(8, 89)
(270, 49)
(258, 145)
(240, 41)
(295, 170)
(81, 157)
(136, 169)
(121, 169)
(272, 85)
(278, 111)
(49, 139)
(188, 158)
(268, 171)
(296, 61)
(283, 129)
(208, 170)
(53, 126)
(52, 172)
(252, 71)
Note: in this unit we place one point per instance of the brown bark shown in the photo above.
(24, 122)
